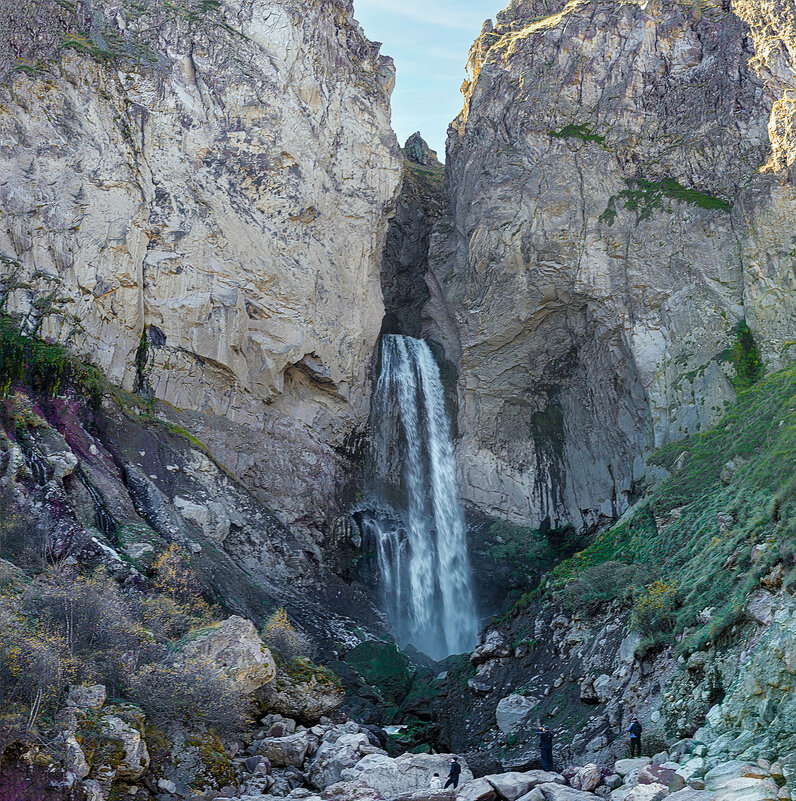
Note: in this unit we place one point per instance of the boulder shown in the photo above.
(135, 758)
(745, 789)
(493, 647)
(587, 778)
(682, 747)
(75, 759)
(343, 791)
(235, 648)
(719, 775)
(553, 791)
(693, 767)
(283, 752)
(762, 606)
(477, 790)
(428, 795)
(91, 696)
(647, 792)
(404, 774)
(303, 691)
(625, 766)
(655, 774)
(334, 756)
(512, 785)
(588, 695)
(688, 794)
(257, 765)
(677, 783)
(56, 452)
(776, 771)
(605, 687)
(278, 726)
(613, 781)
(515, 712)
(93, 790)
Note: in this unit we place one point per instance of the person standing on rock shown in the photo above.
(546, 747)
(453, 776)
(436, 782)
(634, 730)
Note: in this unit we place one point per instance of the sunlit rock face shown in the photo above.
(212, 182)
(620, 201)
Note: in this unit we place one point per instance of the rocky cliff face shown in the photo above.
(620, 203)
(208, 184)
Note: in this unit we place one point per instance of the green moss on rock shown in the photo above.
(721, 522)
(383, 666)
(644, 197)
(583, 132)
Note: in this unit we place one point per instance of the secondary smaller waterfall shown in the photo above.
(424, 564)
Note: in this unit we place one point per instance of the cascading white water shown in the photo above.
(425, 573)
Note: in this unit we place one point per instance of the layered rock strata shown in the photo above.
(620, 203)
(209, 183)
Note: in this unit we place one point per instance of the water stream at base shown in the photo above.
(423, 560)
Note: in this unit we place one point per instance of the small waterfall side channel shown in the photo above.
(422, 554)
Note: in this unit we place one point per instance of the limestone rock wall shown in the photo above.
(617, 209)
(210, 182)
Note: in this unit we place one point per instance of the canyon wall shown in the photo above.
(621, 206)
(209, 184)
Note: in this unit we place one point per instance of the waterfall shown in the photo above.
(424, 565)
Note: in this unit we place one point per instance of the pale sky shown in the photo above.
(430, 41)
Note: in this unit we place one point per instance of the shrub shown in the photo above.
(192, 692)
(175, 578)
(601, 584)
(164, 617)
(23, 540)
(35, 665)
(45, 366)
(745, 357)
(89, 612)
(282, 638)
(653, 612)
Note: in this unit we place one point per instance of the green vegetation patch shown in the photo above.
(582, 132)
(382, 665)
(526, 551)
(44, 366)
(303, 671)
(644, 197)
(713, 529)
(745, 357)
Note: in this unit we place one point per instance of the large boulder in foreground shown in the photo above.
(337, 752)
(553, 791)
(405, 774)
(514, 784)
(235, 648)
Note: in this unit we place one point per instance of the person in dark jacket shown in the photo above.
(634, 729)
(546, 747)
(453, 776)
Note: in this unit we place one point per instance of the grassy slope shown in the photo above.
(697, 531)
